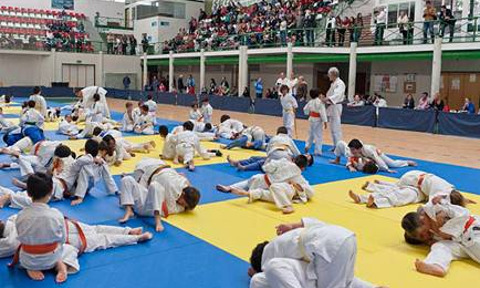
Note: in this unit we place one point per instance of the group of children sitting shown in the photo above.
(41, 238)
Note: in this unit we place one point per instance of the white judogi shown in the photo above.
(152, 110)
(5, 125)
(195, 115)
(383, 162)
(39, 159)
(328, 250)
(255, 133)
(281, 146)
(40, 104)
(32, 117)
(169, 147)
(289, 105)
(144, 125)
(36, 225)
(159, 194)
(431, 185)
(336, 94)
(128, 122)
(229, 128)
(90, 126)
(96, 113)
(68, 128)
(273, 186)
(317, 116)
(18, 200)
(88, 101)
(187, 143)
(207, 112)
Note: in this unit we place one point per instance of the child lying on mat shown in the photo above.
(282, 184)
(451, 231)
(144, 123)
(413, 187)
(156, 190)
(252, 137)
(68, 127)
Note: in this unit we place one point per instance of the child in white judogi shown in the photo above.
(88, 94)
(317, 117)
(289, 105)
(356, 148)
(32, 117)
(152, 108)
(207, 111)
(68, 127)
(40, 103)
(85, 168)
(97, 112)
(281, 184)
(252, 137)
(90, 127)
(229, 128)
(52, 114)
(169, 143)
(5, 125)
(124, 148)
(413, 187)
(156, 190)
(195, 114)
(128, 120)
(187, 144)
(41, 232)
(200, 128)
(307, 254)
(82, 238)
(144, 122)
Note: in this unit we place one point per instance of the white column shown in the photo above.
(170, 72)
(145, 71)
(242, 69)
(54, 65)
(202, 70)
(101, 69)
(352, 71)
(436, 66)
(289, 60)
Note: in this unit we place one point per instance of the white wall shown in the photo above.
(88, 7)
(29, 70)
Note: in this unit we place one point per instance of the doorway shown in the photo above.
(78, 75)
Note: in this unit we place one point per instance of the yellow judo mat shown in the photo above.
(383, 257)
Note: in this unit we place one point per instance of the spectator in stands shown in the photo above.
(423, 102)
(145, 43)
(124, 44)
(110, 43)
(380, 20)
(402, 22)
(342, 26)
(358, 28)
(224, 87)
(437, 103)
(126, 82)
(357, 101)
(446, 20)
(282, 80)
(155, 83)
(446, 108)
(162, 87)
(259, 88)
(302, 89)
(246, 92)
(202, 15)
(133, 45)
(309, 23)
(190, 85)
(213, 87)
(379, 101)
(409, 102)
(429, 16)
(180, 84)
(272, 93)
(330, 30)
(468, 107)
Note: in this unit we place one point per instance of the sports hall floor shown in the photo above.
(210, 246)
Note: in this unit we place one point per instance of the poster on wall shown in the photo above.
(63, 4)
(410, 87)
(385, 83)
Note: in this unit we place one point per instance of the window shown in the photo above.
(161, 8)
(392, 15)
(395, 9)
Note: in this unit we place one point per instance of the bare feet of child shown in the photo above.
(364, 187)
(35, 275)
(145, 237)
(76, 201)
(153, 144)
(136, 231)
(376, 181)
(232, 162)
(354, 197)
(4, 199)
(412, 163)
(62, 273)
(159, 226)
(223, 188)
(241, 167)
(287, 210)
(430, 269)
(128, 214)
(371, 202)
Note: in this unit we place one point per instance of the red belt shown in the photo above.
(37, 148)
(314, 114)
(165, 209)
(421, 178)
(469, 223)
(83, 239)
(33, 249)
(267, 180)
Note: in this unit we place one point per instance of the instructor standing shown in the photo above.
(87, 94)
(334, 99)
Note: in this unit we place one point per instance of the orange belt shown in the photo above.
(267, 180)
(37, 148)
(314, 114)
(83, 239)
(421, 178)
(469, 223)
(32, 249)
(165, 209)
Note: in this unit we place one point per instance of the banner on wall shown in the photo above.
(63, 4)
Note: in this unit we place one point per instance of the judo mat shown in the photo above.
(210, 246)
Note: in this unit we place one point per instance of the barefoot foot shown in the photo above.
(145, 237)
(364, 186)
(4, 200)
(35, 275)
(430, 269)
(354, 197)
(76, 202)
(223, 188)
(287, 210)
(232, 162)
(62, 273)
(371, 202)
(128, 214)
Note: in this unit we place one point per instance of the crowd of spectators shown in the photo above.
(121, 44)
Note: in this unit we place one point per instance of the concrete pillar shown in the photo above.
(242, 69)
(202, 70)
(352, 71)
(171, 85)
(289, 60)
(145, 71)
(54, 65)
(101, 68)
(436, 66)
